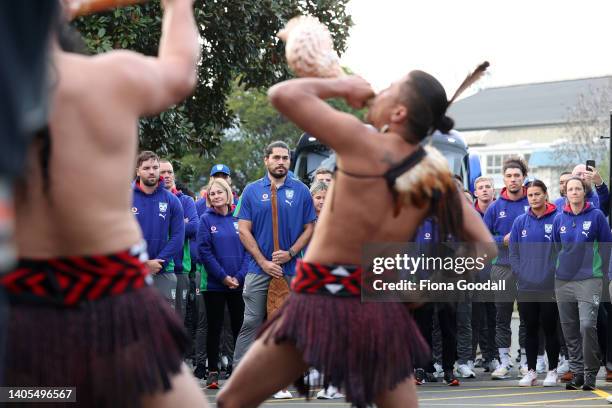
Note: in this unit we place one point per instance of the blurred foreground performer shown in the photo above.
(25, 28)
(81, 282)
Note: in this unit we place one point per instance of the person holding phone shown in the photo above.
(590, 176)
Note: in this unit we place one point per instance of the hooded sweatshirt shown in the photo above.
(499, 218)
(183, 261)
(578, 240)
(220, 250)
(160, 216)
(532, 254)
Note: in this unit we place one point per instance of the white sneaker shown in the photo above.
(493, 365)
(530, 379)
(283, 394)
(330, 392)
(464, 371)
(439, 371)
(470, 364)
(541, 365)
(500, 372)
(312, 378)
(551, 379)
(523, 370)
(563, 366)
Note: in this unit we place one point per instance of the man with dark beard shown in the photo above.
(296, 215)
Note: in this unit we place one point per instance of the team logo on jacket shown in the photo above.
(523, 233)
(586, 225)
(289, 194)
(502, 214)
(163, 207)
(213, 229)
(265, 197)
(562, 229)
(548, 228)
(134, 210)
(427, 235)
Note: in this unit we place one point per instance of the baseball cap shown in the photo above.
(219, 168)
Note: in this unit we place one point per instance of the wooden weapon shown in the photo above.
(278, 290)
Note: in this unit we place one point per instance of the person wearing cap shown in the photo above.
(217, 171)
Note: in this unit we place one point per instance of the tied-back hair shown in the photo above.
(428, 102)
(318, 186)
(538, 183)
(431, 184)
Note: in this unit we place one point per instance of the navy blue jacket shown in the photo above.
(604, 199)
(201, 207)
(160, 216)
(499, 218)
(485, 274)
(578, 239)
(184, 260)
(220, 250)
(532, 254)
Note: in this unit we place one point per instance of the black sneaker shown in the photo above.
(200, 371)
(450, 379)
(429, 377)
(228, 372)
(212, 382)
(589, 382)
(576, 383)
(419, 376)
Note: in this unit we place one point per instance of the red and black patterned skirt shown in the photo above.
(92, 322)
(364, 349)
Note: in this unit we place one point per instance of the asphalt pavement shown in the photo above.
(479, 392)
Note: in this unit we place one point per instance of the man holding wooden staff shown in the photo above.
(276, 218)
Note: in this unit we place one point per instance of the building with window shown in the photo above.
(528, 120)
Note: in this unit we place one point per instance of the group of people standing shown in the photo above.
(554, 259)
(225, 246)
(85, 274)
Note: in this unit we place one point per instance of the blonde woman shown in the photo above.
(225, 260)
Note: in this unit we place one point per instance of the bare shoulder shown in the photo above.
(148, 85)
(113, 72)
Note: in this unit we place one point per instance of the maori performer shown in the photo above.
(82, 310)
(366, 349)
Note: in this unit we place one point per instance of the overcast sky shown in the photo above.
(525, 41)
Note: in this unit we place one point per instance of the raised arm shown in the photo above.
(152, 84)
(302, 101)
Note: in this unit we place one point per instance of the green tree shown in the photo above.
(242, 147)
(239, 43)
